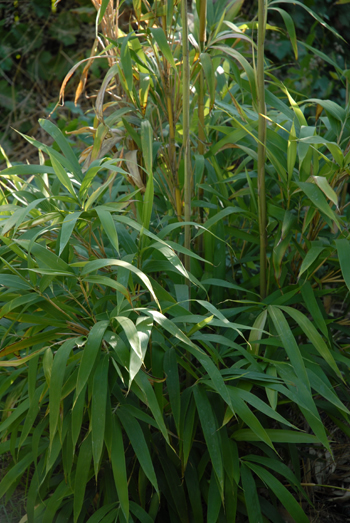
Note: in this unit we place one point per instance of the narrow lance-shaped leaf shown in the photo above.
(251, 495)
(314, 336)
(289, 343)
(81, 475)
(285, 497)
(209, 426)
(173, 384)
(98, 410)
(109, 227)
(63, 143)
(138, 442)
(343, 249)
(57, 376)
(99, 264)
(90, 353)
(68, 225)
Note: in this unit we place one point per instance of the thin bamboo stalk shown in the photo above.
(202, 39)
(201, 123)
(262, 147)
(186, 130)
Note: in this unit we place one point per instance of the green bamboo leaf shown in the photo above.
(207, 363)
(277, 436)
(30, 341)
(194, 492)
(314, 336)
(97, 193)
(101, 513)
(300, 394)
(187, 429)
(289, 343)
(64, 145)
(144, 328)
(175, 261)
(88, 178)
(109, 226)
(18, 216)
(244, 412)
(214, 500)
(278, 467)
(102, 10)
(211, 436)
(20, 301)
(258, 404)
(169, 14)
(257, 332)
(119, 467)
(23, 170)
(11, 281)
(146, 144)
(95, 169)
(311, 255)
(343, 250)
(173, 385)
(82, 475)
(90, 353)
(174, 487)
(244, 63)
(67, 227)
(138, 442)
(288, 22)
(98, 410)
(53, 452)
(99, 264)
(285, 497)
(148, 202)
(251, 498)
(62, 175)
(126, 64)
(217, 217)
(108, 282)
(330, 107)
(31, 415)
(133, 338)
(160, 37)
(327, 190)
(140, 513)
(47, 258)
(47, 365)
(207, 66)
(272, 395)
(57, 376)
(321, 387)
(313, 307)
(291, 152)
(144, 384)
(55, 501)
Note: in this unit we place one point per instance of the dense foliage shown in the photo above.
(38, 44)
(145, 378)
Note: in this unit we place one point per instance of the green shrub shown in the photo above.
(145, 381)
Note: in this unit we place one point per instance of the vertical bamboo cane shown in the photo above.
(202, 39)
(261, 146)
(186, 129)
(201, 133)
